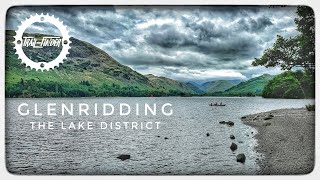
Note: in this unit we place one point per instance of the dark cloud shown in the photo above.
(253, 25)
(168, 36)
(174, 41)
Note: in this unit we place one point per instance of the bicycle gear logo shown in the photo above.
(21, 41)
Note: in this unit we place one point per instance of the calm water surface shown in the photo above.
(187, 150)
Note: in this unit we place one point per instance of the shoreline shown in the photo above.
(286, 139)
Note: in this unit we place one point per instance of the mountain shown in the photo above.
(211, 87)
(196, 84)
(217, 86)
(88, 71)
(195, 88)
(235, 81)
(166, 84)
(252, 87)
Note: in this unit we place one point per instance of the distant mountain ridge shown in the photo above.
(218, 86)
(211, 87)
(163, 83)
(252, 87)
(90, 71)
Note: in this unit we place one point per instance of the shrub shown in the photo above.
(311, 107)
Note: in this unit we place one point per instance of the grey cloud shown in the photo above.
(196, 37)
(209, 39)
(252, 25)
(168, 36)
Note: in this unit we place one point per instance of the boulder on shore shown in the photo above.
(271, 115)
(241, 158)
(267, 118)
(232, 136)
(233, 147)
(124, 157)
(243, 117)
(266, 124)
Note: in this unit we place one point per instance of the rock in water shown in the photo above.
(124, 157)
(230, 123)
(232, 137)
(233, 147)
(166, 138)
(208, 134)
(241, 158)
(222, 122)
(243, 117)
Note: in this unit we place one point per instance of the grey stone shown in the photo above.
(232, 137)
(241, 158)
(124, 157)
(230, 123)
(233, 147)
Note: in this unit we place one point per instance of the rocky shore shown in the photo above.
(286, 139)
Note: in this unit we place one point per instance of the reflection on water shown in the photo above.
(179, 146)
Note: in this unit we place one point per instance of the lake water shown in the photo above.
(179, 146)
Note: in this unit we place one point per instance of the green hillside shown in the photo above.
(252, 87)
(88, 71)
(217, 86)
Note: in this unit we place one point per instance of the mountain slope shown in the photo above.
(251, 87)
(88, 71)
(170, 85)
(217, 86)
(195, 88)
(199, 86)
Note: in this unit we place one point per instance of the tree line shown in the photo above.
(36, 89)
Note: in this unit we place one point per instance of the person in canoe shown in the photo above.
(216, 104)
(211, 104)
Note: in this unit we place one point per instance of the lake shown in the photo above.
(179, 146)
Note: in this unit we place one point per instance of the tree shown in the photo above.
(295, 51)
(305, 25)
(287, 85)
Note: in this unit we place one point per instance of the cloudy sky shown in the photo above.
(184, 43)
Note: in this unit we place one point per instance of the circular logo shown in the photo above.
(65, 42)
